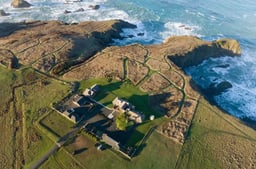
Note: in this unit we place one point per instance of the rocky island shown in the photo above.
(20, 4)
(50, 62)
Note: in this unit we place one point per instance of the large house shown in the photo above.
(90, 92)
(71, 115)
(79, 100)
(122, 105)
(126, 107)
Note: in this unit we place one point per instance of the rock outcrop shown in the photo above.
(20, 4)
(216, 89)
(3, 13)
(192, 50)
(95, 7)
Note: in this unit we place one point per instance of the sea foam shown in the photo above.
(177, 28)
(240, 100)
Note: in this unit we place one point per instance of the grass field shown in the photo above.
(57, 124)
(37, 100)
(61, 160)
(7, 80)
(25, 96)
(154, 155)
(217, 140)
(126, 90)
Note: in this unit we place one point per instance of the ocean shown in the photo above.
(159, 19)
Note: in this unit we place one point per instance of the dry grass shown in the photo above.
(190, 88)
(187, 111)
(7, 121)
(155, 83)
(174, 130)
(159, 65)
(174, 77)
(136, 71)
(217, 140)
(167, 102)
(104, 65)
(134, 52)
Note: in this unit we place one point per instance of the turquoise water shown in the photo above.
(159, 19)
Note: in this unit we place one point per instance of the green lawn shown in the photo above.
(158, 152)
(61, 160)
(57, 124)
(126, 90)
(215, 140)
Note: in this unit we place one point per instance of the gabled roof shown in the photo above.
(88, 92)
(121, 104)
(136, 116)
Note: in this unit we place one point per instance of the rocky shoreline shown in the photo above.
(57, 47)
(77, 52)
(66, 49)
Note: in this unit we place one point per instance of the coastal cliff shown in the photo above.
(55, 45)
(54, 58)
(73, 44)
(192, 50)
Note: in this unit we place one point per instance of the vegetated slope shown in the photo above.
(217, 140)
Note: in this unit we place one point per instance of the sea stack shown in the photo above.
(20, 4)
(95, 7)
(3, 13)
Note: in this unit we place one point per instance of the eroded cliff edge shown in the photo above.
(82, 51)
(192, 50)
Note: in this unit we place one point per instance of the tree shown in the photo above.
(121, 122)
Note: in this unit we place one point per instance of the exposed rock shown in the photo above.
(95, 7)
(192, 50)
(223, 66)
(20, 4)
(67, 11)
(79, 10)
(140, 34)
(3, 13)
(130, 36)
(216, 89)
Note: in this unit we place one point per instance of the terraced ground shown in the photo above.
(170, 93)
(187, 131)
